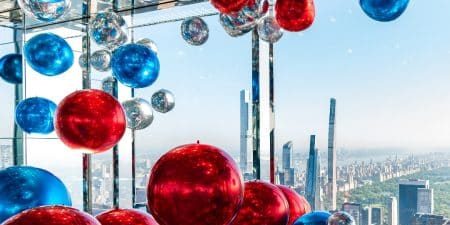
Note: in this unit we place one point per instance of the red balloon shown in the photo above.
(90, 120)
(229, 6)
(125, 217)
(294, 15)
(195, 184)
(264, 203)
(298, 206)
(52, 215)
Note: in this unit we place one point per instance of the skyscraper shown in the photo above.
(5, 156)
(392, 214)
(377, 216)
(425, 202)
(332, 188)
(246, 154)
(408, 192)
(287, 156)
(366, 216)
(353, 209)
(312, 175)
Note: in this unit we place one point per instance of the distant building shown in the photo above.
(377, 216)
(353, 209)
(246, 151)
(408, 202)
(6, 159)
(392, 211)
(287, 155)
(366, 216)
(425, 202)
(332, 173)
(312, 175)
(429, 219)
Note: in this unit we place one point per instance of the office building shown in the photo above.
(377, 216)
(392, 211)
(425, 202)
(354, 209)
(312, 175)
(408, 192)
(246, 151)
(366, 216)
(332, 188)
(6, 159)
(287, 155)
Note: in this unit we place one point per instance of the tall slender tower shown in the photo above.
(332, 189)
(246, 155)
(312, 188)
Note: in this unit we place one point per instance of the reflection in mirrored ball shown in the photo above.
(163, 101)
(108, 29)
(236, 24)
(341, 218)
(135, 65)
(108, 85)
(25, 187)
(194, 31)
(139, 113)
(45, 10)
(269, 30)
(46, 215)
(48, 54)
(149, 43)
(35, 115)
(118, 216)
(384, 11)
(314, 218)
(101, 60)
(11, 68)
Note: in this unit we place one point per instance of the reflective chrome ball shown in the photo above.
(163, 101)
(101, 60)
(149, 43)
(108, 85)
(108, 29)
(341, 218)
(269, 30)
(139, 113)
(83, 61)
(194, 31)
(45, 10)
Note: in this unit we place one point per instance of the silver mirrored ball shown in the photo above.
(269, 30)
(341, 218)
(149, 43)
(44, 10)
(194, 31)
(108, 85)
(163, 101)
(108, 29)
(82, 61)
(101, 60)
(139, 113)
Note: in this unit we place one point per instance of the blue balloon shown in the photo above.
(35, 115)
(314, 218)
(49, 54)
(24, 187)
(11, 68)
(135, 65)
(384, 10)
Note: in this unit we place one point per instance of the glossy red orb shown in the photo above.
(294, 15)
(264, 203)
(52, 215)
(229, 6)
(90, 120)
(298, 206)
(195, 184)
(125, 217)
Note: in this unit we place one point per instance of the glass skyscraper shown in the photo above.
(408, 201)
(312, 188)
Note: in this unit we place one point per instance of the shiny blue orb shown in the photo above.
(384, 10)
(48, 54)
(24, 187)
(11, 68)
(314, 218)
(35, 115)
(135, 65)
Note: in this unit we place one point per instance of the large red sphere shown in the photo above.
(52, 215)
(125, 217)
(298, 206)
(229, 6)
(294, 15)
(195, 184)
(264, 203)
(90, 120)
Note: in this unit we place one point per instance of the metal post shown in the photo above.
(255, 105)
(272, 116)
(116, 189)
(18, 141)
